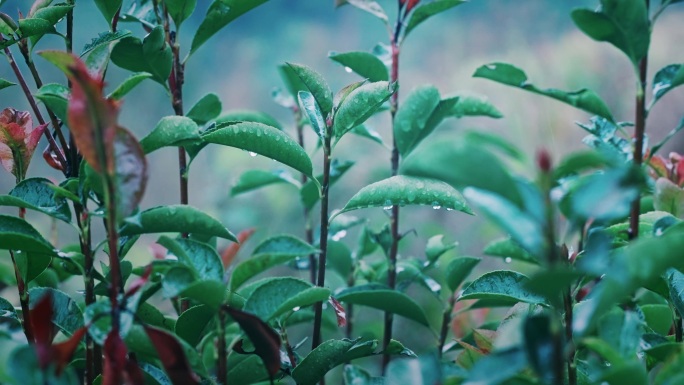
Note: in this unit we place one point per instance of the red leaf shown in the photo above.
(43, 332)
(134, 374)
(63, 351)
(411, 5)
(172, 356)
(265, 340)
(140, 282)
(114, 359)
(339, 312)
(18, 140)
(231, 251)
(51, 159)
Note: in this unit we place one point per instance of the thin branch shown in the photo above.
(323, 241)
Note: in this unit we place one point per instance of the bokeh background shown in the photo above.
(240, 65)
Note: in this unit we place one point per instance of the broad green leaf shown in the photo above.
(180, 10)
(523, 228)
(264, 140)
(34, 27)
(127, 85)
(622, 330)
(183, 281)
(255, 179)
(31, 265)
(339, 258)
(328, 355)
(658, 317)
(99, 320)
(405, 190)
(509, 250)
(668, 78)
(365, 131)
(292, 81)
(108, 8)
(193, 323)
(246, 370)
(622, 23)
(104, 38)
(309, 192)
(220, 14)
(157, 54)
(248, 116)
(66, 314)
(470, 104)
(206, 109)
(365, 64)
(427, 10)
(7, 311)
(199, 256)
(98, 60)
(412, 117)
(341, 95)
(313, 113)
(171, 131)
(55, 97)
(360, 105)
(316, 85)
(578, 162)
(671, 372)
(36, 194)
(284, 245)
(17, 234)
(458, 270)
(477, 167)
(175, 219)
(280, 295)
(5, 83)
(584, 99)
(669, 197)
(502, 284)
(383, 298)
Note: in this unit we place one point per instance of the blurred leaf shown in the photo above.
(360, 105)
(175, 219)
(55, 97)
(34, 27)
(18, 235)
(328, 355)
(127, 85)
(671, 372)
(131, 173)
(316, 85)
(624, 24)
(667, 138)
(470, 104)
(206, 109)
(254, 179)
(508, 74)
(66, 315)
(309, 192)
(604, 136)
(658, 317)
(435, 247)
(356, 375)
(170, 131)
(36, 194)
(364, 64)
(365, 131)
(540, 340)
(229, 253)
(404, 190)
(552, 282)
(264, 140)
(281, 295)
(220, 14)
(284, 245)
(180, 10)
(666, 79)
(578, 162)
(427, 10)
(498, 368)
(675, 282)
(502, 284)
(371, 7)
(458, 270)
(509, 250)
(383, 298)
(199, 256)
(98, 318)
(193, 323)
(104, 38)
(108, 8)
(265, 340)
(248, 116)
(412, 117)
(183, 281)
(172, 356)
(313, 113)
(668, 197)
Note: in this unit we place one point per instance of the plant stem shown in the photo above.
(446, 322)
(115, 283)
(572, 369)
(24, 302)
(639, 131)
(350, 310)
(308, 230)
(222, 370)
(325, 186)
(394, 214)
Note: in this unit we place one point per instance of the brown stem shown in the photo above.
(639, 131)
(325, 186)
(222, 370)
(446, 322)
(288, 347)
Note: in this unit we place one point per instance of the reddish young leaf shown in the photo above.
(62, 352)
(140, 282)
(134, 374)
(43, 330)
(51, 159)
(265, 340)
(339, 312)
(230, 252)
(172, 356)
(114, 359)
(18, 140)
(411, 5)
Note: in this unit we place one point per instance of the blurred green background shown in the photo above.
(239, 64)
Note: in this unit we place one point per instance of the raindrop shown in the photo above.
(436, 206)
(449, 209)
(508, 260)
(349, 70)
(296, 308)
(339, 235)
(252, 154)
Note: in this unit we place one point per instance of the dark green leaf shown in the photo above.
(183, 281)
(365, 64)
(658, 317)
(248, 116)
(170, 131)
(157, 54)
(313, 113)
(36, 194)
(108, 8)
(502, 284)
(255, 179)
(356, 375)
(201, 257)
(206, 109)
(365, 131)
(412, 118)
(66, 314)
(281, 295)
(427, 10)
(17, 234)
(404, 190)
(34, 27)
(128, 84)
(509, 250)
(668, 78)
(675, 281)
(193, 323)
(360, 105)
(176, 219)
(284, 245)
(4, 84)
(264, 140)
(383, 298)
(458, 270)
(584, 99)
(104, 38)
(180, 10)
(500, 367)
(55, 97)
(435, 247)
(7, 311)
(328, 355)
(316, 85)
(540, 339)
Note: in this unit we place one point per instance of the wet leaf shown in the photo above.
(281, 295)
(18, 235)
(666, 79)
(471, 104)
(412, 118)
(313, 113)
(175, 219)
(458, 270)
(316, 85)
(248, 116)
(502, 284)
(128, 84)
(265, 340)
(427, 10)
(436, 247)
(360, 105)
(184, 281)
(199, 256)
(171, 131)
(108, 8)
(328, 355)
(365, 64)
(254, 179)
(509, 250)
(220, 14)
(371, 7)
(66, 315)
(383, 298)
(104, 38)
(193, 323)
(36, 194)
(206, 109)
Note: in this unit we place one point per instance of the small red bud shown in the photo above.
(544, 160)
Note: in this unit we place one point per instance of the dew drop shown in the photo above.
(339, 235)
(349, 70)
(296, 308)
(252, 154)
(436, 205)
(449, 209)
(508, 260)
(388, 205)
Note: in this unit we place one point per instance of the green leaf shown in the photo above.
(66, 314)
(104, 38)
(171, 131)
(371, 7)
(55, 97)
(31, 265)
(412, 118)
(180, 10)
(313, 113)
(658, 317)
(360, 105)
(280, 295)
(206, 109)
(158, 54)
(248, 116)
(183, 281)
(584, 99)
(127, 85)
(499, 367)
(578, 162)
(365, 64)
(309, 192)
(669, 197)
(356, 375)
(522, 227)
(17, 234)
(666, 79)
(264, 140)
(503, 285)
(34, 27)
(509, 250)
(675, 281)
(458, 270)
(405, 190)
(316, 85)
(328, 355)
(36, 194)
(383, 298)
(220, 14)
(255, 179)
(193, 323)
(98, 60)
(427, 10)
(284, 245)
(176, 219)
(540, 336)
(435, 247)
(99, 320)
(365, 131)
(108, 8)
(5, 83)
(202, 258)
(7, 311)
(624, 24)
(470, 104)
